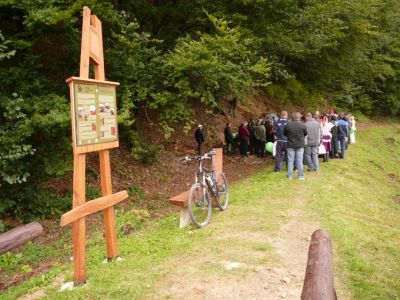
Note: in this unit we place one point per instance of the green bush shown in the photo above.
(28, 203)
(147, 154)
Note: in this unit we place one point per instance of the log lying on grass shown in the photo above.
(318, 282)
(19, 236)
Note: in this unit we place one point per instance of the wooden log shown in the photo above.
(19, 236)
(318, 281)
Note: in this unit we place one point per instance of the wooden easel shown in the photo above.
(91, 52)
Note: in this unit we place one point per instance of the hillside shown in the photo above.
(259, 244)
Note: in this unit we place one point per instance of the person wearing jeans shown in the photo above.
(295, 158)
(281, 141)
(343, 132)
(295, 131)
(314, 139)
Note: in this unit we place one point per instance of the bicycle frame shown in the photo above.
(201, 173)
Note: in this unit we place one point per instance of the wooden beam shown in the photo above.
(217, 160)
(318, 281)
(88, 80)
(109, 216)
(92, 206)
(79, 226)
(19, 236)
(96, 47)
(85, 46)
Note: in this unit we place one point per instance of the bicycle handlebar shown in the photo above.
(208, 155)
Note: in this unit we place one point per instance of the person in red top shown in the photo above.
(244, 136)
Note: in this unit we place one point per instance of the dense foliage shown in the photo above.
(169, 53)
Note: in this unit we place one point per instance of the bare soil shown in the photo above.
(248, 277)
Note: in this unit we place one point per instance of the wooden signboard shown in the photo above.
(94, 128)
(94, 116)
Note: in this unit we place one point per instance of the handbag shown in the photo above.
(321, 149)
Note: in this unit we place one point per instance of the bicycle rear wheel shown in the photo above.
(199, 205)
(222, 195)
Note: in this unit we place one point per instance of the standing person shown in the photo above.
(260, 135)
(335, 138)
(331, 113)
(281, 141)
(229, 139)
(343, 132)
(252, 143)
(326, 136)
(269, 128)
(199, 136)
(295, 131)
(244, 136)
(352, 126)
(314, 138)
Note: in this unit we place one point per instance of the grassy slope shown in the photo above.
(352, 198)
(355, 200)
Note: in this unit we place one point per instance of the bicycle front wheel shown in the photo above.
(199, 205)
(222, 194)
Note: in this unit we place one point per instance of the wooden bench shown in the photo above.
(181, 200)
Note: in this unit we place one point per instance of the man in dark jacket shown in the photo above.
(335, 139)
(343, 132)
(199, 136)
(281, 141)
(314, 139)
(295, 131)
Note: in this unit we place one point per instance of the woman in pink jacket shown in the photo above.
(326, 127)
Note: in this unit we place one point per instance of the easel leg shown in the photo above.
(79, 226)
(109, 217)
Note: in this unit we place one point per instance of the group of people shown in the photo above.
(300, 139)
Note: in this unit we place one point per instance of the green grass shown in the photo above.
(354, 199)
(351, 198)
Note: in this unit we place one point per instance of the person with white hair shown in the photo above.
(199, 136)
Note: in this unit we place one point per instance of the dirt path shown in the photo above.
(247, 262)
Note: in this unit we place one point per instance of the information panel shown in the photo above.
(95, 113)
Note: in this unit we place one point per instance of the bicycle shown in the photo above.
(206, 183)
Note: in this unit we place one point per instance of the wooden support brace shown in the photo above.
(92, 206)
(109, 217)
(79, 226)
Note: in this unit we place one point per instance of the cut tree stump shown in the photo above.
(318, 281)
(19, 236)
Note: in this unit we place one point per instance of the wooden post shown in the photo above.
(79, 226)
(318, 281)
(92, 53)
(109, 217)
(19, 236)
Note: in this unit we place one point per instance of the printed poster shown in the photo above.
(95, 114)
